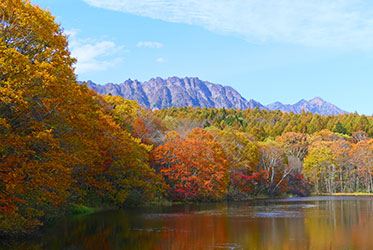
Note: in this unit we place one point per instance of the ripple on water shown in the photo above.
(279, 214)
(227, 246)
(161, 230)
(284, 211)
(163, 215)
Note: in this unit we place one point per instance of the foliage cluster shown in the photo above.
(60, 142)
(332, 153)
(265, 124)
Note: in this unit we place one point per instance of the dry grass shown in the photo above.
(349, 194)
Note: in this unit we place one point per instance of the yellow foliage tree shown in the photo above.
(59, 141)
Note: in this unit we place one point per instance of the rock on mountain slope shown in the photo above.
(316, 105)
(160, 93)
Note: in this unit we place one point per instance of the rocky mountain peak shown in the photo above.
(158, 93)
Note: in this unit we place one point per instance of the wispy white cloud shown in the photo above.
(93, 55)
(346, 24)
(161, 60)
(149, 44)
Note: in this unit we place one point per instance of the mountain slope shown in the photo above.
(158, 93)
(316, 105)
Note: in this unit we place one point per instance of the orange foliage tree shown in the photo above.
(195, 167)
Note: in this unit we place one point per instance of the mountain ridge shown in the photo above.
(158, 93)
(316, 105)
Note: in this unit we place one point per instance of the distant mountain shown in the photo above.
(158, 93)
(316, 105)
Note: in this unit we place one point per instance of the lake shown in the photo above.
(291, 223)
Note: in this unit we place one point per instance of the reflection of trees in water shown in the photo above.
(328, 224)
(341, 224)
(195, 232)
(270, 233)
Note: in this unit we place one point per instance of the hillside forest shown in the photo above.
(62, 143)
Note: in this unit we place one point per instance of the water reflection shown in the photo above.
(301, 223)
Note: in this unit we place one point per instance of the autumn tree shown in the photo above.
(324, 136)
(195, 167)
(359, 136)
(124, 111)
(34, 61)
(274, 161)
(339, 128)
(59, 141)
(240, 149)
(340, 146)
(320, 168)
(295, 146)
(362, 157)
(346, 171)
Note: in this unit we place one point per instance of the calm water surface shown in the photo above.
(293, 223)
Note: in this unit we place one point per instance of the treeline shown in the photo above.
(265, 124)
(333, 153)
(63, 144)
(197, 163)
(290, 162)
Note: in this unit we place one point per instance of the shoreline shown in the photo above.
(344, 194)
(81, 210)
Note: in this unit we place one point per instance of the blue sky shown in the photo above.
(267, 50)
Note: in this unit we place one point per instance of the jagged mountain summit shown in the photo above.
(316, 105)
(158, 93)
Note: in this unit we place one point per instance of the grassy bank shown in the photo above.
(78, 209)
(344, 194)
